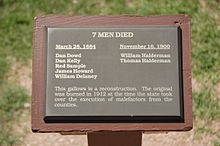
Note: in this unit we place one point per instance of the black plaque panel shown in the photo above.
(113, 74)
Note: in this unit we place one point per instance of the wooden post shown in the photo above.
(114, 139)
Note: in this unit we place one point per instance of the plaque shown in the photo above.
(113, 74)
(119, 73)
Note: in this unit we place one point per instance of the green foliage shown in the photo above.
(216, 143)
(6, 139)
(12, 99)
(3, 67)
(206, 107)
(206, 44)
(168, 7)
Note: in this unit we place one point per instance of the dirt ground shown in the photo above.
(28, 138)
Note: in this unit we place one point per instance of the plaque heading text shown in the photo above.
(112, 34)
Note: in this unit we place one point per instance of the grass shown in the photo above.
(206, 107)
(12, 99)
(206, 44)
(16, 22)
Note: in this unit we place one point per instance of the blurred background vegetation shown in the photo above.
(16, 20)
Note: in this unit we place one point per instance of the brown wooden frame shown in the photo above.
(38, 77)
